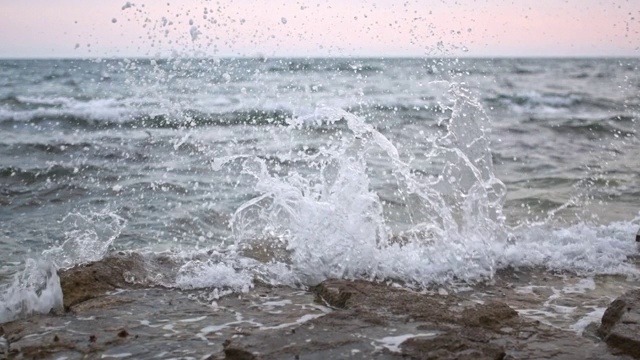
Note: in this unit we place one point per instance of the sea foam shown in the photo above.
(35, 290)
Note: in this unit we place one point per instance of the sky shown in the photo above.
(388, 28)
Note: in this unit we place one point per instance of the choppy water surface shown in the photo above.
(295, 170)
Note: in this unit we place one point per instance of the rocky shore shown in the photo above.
(109, 313)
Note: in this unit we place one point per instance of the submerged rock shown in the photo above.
(620, 325)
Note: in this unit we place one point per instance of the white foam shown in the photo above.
(538, 314)
(594, 316)
(276, 303)
(35, 290)
(4, 346)
(584, 248)
(196, 274)
(116, 356)
(581, 287)
(392, 343)
(193, 319)
(303, 319)
(96, 109)
(214, 328)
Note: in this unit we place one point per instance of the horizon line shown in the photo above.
(362, 57)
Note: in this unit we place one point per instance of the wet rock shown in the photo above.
(334, 294)
(331, 336)
(88, 281)
(620, 325)
(337, 319)
(451, 346)
(373, 320)
(365, 297)
(492, 315)
(149, 323)
(373, 298)
(234, 353)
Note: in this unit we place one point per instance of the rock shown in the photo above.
(373, 298)
(337, 319)
(449, 326)
(365, 297)
(492, 315)
(620, 325)
(85, 282)
(233, 353)
(451, 346)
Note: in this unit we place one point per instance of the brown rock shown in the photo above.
(620, 325)
(85, 282)
(368, 300)
(492, 315)
(365, 297)
(333, 294)
(451, 346)
(233, 353)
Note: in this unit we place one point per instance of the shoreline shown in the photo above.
(107, 315)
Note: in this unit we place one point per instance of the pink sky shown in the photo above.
(80, 28)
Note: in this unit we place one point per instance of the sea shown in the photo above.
(420, 172)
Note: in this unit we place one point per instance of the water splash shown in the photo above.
(331, 222)
(209, 274)
(35, 290)
(88, 238)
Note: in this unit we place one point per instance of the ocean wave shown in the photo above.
(196, 118)
(619, 126)
(535, 100)
(18, 102)
(106, 118)
(26, 198)
(54, 172)
(86, 112)
(524, 70)
(75, 111)
(11, 100)
(51, 148)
